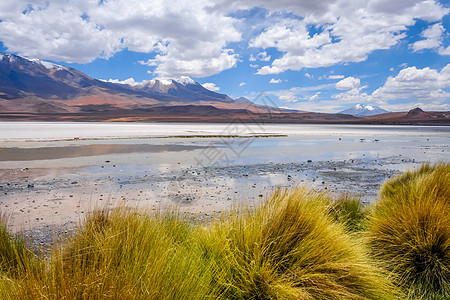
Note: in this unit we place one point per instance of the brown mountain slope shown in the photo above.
(32, 89)
(415, 115)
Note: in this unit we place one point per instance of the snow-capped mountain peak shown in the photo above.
(363, 110)
(46, 64)
(363, 107)
(163, 81)
(185, 80)
(14, 58)
(11, 58)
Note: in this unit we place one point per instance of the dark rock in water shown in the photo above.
(31, 185)
(74, 182)
(310, 161)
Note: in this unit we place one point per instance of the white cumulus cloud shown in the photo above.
(288, 97)
(433, 38)
(273, 80)
(314, 97)
(242, 84)
(348, 83)
(189, 38)
(429, 87)
(260, 56)
(295, 94)
(444, 51)
(411, 83)
(335, 77)
(346, 32)
(211, 86)
(129, 81)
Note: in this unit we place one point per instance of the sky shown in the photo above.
(312, 55)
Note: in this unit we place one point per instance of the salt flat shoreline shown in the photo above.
(64, 200)
(47, 187)
(54, 208)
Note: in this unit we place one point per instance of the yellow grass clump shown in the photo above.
(351, 212)
(410, 231)
(124, 254)
(289, 247)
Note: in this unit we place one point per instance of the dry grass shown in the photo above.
(15, 257)
(123, 255)
(350, 212)
(16, 260)
(290, 248)
(410, 231)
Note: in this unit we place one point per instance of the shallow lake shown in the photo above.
(200, 168)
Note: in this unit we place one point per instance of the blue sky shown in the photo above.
(322, 56)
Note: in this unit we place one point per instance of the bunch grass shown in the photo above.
(290, 247)
(410, 231)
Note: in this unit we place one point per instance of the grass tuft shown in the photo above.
(14, 255)
(410, 231)
(350, 212)
(127, 254)
(290, 248)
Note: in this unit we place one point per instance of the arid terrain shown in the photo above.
(32, 90)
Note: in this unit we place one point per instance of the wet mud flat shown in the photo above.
(54, 206)
(201, 193)
(48, 187)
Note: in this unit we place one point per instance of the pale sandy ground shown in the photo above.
(46, 196)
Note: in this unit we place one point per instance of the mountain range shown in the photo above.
(39, 86)
(32, 89)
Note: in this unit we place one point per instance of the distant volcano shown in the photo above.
(364, 110)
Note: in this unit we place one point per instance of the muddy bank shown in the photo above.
(48, 187)
(47, 201)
